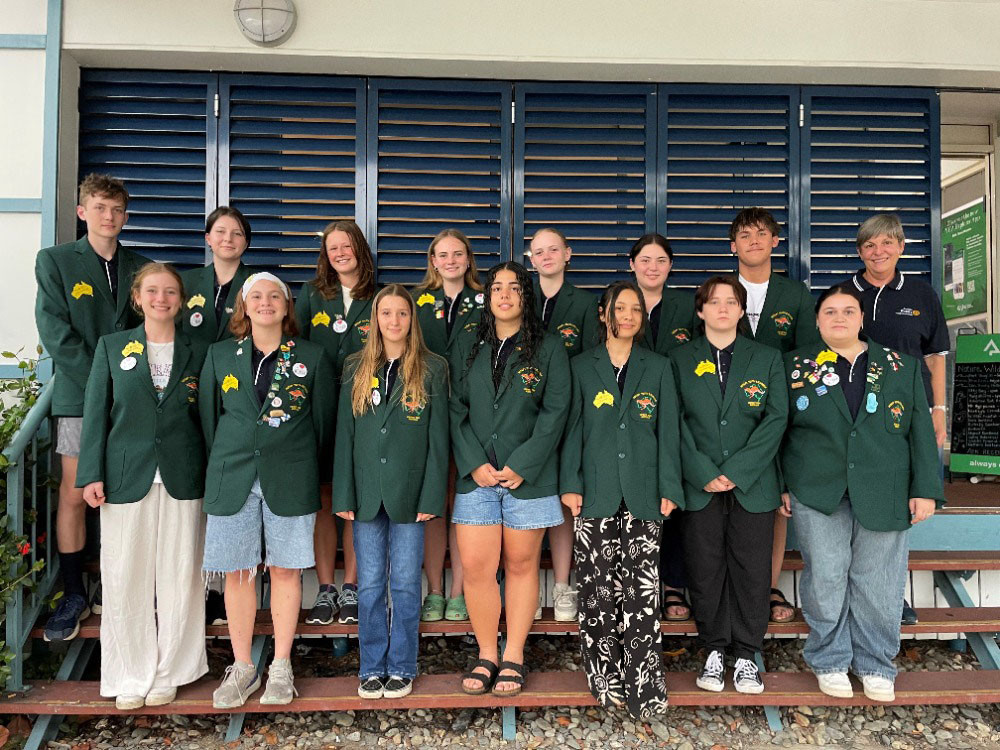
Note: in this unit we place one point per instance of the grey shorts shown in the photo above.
(233, 543)
(68, 435)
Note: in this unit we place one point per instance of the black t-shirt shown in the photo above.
(501, 353)
(654, 321)
(620, 375)
(263, 372)
(548, 306)
(390, 372)
(221, 295)
(853, 380)
(111, 272)
(449, 316)
(905, 315)
(723, 363)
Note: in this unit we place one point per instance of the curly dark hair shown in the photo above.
(532, 331)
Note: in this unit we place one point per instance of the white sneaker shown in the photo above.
(129, 702)
(835, 684)
(746, 677)
(565, 603)
(161, 696)
(280, 687)
(713, 674)
(878, 688)
(538, 612)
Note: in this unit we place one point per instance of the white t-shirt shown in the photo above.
(161, 363)
(755, 301)
(346, 291)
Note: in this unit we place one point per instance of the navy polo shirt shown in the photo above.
(905, 315)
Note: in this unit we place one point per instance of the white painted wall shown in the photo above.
(23, 17)
(901, 42)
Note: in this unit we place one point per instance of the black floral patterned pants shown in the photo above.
(617, 571)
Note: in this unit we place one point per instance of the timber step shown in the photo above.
(931, 620)
(542, 689)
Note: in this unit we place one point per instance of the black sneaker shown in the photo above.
(348, 602)
(909, 615)
(397, 687)
(96, 599)
(713, 673)
(64, 625)
(325, 608)
(746, 677)
(372, 688)
(215, 608)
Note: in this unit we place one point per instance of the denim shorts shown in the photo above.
(233, 543)
(489, 506)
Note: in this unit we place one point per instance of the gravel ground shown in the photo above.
(899, 728)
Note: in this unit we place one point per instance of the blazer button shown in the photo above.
(118, 326)
(158, 441)
(854, 433)
(621, 426)
(159, 410)
(850, 466)
(383, 430)
(724, 422)
(256, 453)
(725, 453)
(494, 436)
(382, 460)
(496, 406)
(621, 455)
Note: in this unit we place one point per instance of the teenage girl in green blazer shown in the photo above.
(734, 411)
(142, 462)
(267, 408)
(671, 322)
(212, 289)
(571, 314)
(449, 305)
(391, 467)
(861, 465)
(620, 476)
(510, 395)
(334, 310)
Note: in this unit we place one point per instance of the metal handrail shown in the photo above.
(31, 423)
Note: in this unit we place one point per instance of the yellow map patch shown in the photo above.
(197, 300)
(374, 382)
(425, 299)
(81, 288)
(321, 319)
(705, 366)
(230, 383)
(826, 356)
(603, 398)
(132, 347)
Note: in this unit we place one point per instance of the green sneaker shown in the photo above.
(433, 609)
(456, 610)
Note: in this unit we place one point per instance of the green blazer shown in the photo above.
(677, 322)
(574, 319)
(431, 316)
(641, 463)
(788, 318)
(199, 285)
(129, 432)
(74, 308)
(737, 435)
(882, 458)
(523, 419)
(395, 455)
(291, 458)
(318, 318)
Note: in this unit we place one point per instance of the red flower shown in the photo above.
(41, 538)
(24, 549)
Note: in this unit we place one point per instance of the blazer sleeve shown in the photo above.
(746, 465)
(209, 400)
(303, 311)
(345, 496)
(805, 330)
(469, 452)
(531, 456)
(435, 484)
(590, 332)
(324, 413)
(925, 463)
(668, 439)
(698, 469)
(67, 348)
(571, 453)
(96, 413)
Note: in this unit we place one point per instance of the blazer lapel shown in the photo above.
(242, 274)
(664, 332)
(563, 302)
(873, 386)
(141, 358)
(354, 312)
(124, 282)
(741, 359)
(770, 301)
(182, 353)
(481, 374)
(606, 371)
(93, 269)
(636, 365)
(390, 402)
(244, 371)
(702, 352)
(508, 366)
(833, 391)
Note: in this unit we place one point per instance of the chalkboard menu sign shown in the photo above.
(975, 411)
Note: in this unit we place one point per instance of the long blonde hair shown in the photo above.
(371, 359)
(432, 279)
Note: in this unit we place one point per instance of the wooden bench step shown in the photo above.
(932, 620)
(541, 690)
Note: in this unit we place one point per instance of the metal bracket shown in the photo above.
(984, 645)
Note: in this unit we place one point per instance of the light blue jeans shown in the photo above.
(852, 591)
(388, 553)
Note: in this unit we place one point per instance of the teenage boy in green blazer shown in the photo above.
(780, 315)
(734, 411)
(860, 462)
(212, 289)
(83, 293)
(142, 463)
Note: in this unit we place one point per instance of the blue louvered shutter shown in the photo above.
(866, 151)
(723, 149)
(439, 157)
(291, 158)
(585, 163)
(156, 131)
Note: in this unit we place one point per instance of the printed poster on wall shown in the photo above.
(975, 407)
(963, 237)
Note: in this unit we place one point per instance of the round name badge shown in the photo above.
(196, 319)
(376, 397)
(796, 374)
(480, 298)
(802, 403)
(299, 369)
(340, 325)
(275, 401)
(831, 378)
(128, 363)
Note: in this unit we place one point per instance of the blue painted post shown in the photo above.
(984, 645)
(771, 713)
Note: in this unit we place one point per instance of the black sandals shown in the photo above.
(485, 680)
(516, 679)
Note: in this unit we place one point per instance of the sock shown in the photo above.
(71, 564)
(328, 587)
(352, 586)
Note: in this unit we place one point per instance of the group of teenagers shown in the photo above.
(663, 439)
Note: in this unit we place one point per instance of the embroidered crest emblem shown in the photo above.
(754, 391)
(530, 377)
(81, 288)
(645, 403)
(570, 333)
(296, 396)
(363, 326)
(191, 385)
(896, 410)
(782, 322)
(682, 335)
(412, 409)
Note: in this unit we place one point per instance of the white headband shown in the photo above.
(263, 276)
